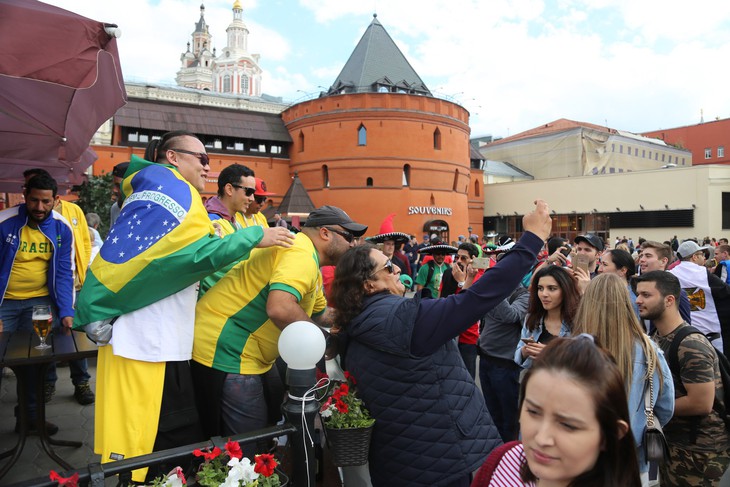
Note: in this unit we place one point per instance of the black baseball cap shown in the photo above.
(590, 239)
(331, 215)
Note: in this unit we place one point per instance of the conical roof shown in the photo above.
(377, 64)
(296, 200)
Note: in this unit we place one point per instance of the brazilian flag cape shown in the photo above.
(162, 242)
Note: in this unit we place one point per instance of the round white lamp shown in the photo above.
(301, 345)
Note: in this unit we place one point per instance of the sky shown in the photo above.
(634, 65)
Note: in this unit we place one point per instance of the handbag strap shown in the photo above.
(648, 395)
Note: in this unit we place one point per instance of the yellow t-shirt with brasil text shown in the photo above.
(28, 277)
(233, 333)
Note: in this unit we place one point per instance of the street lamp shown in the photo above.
(301, 346)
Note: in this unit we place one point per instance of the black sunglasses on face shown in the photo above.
(248, 191)
(387, 266)
(202, 156)
(260, 199)
(346, 235)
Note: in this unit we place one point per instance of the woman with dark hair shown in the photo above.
(574, 423)
(620, 262)
(432, 427)
(554, 299)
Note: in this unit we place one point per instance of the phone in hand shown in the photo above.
(581, 261)
(528, 340)
(480, 263)
(566, 249)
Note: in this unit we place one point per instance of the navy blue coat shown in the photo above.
(432, 426)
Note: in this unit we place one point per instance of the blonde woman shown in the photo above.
(606, 312)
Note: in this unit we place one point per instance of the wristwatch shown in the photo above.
(461, 283)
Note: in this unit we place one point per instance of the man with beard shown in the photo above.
(253, 216)
(36, 268)
(239, 320)
(697, 437)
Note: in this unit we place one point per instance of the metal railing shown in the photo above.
(95, 474)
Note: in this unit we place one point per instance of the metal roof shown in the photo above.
(377, 61)
(202, 120)
(296, 199)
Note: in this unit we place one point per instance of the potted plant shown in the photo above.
(347, 424)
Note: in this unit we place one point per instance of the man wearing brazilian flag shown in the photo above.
(139, 299)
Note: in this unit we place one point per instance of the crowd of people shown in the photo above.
(187, 299)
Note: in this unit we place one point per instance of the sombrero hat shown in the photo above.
(387, 233)
(438, 248)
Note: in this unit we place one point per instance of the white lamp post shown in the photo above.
(301, 346)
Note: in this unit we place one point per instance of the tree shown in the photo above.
(95, 197)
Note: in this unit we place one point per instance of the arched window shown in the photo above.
(227, 83)
(325, 176)
(407, 175)
(244, 84)
(437, 139)
(362, 135)
(369, 182)
(476, 188)
(301, 141)
(456, 180)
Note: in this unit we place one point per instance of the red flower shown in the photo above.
(265, 464)
(341, 406)
(321, 375)
(207, 455)
(350, 377)
(179, 473)
(72, 481)
(326, 404)
(233, 449)
(344, 390)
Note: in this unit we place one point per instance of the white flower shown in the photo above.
(241, 470)
(175, 478)
(326, 413)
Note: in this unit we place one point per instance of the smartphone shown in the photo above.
(566, 250)
(581, 261)
(480, 263)
(528, 340)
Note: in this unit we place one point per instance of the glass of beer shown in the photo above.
(42, 324)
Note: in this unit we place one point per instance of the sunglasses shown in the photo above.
(202, 156)
(248, 191)
(260, 199)
(346, 235)
(388, 266)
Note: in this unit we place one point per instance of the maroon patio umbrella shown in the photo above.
(60, 80)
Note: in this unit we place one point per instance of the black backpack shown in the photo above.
(724, 365)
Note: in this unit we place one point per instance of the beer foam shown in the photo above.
(42, 317)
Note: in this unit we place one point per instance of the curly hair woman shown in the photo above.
(432, 427)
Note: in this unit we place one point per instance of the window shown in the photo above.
(369, 182)
(244, 84)
(325, 176)
(456, 180)
(437, 139)
(621, 149)
(476, 189)
(406, 175)
(144, 138)
(636, 151)
(362, 135)
(721, 151)
(708, 153)
(301, 141)
(227, 83)
(613, 147)
(643, 153)
(725, 211)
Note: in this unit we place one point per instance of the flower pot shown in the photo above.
(349, 446)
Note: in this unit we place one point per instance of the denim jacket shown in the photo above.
(663, 401)
(526, 363)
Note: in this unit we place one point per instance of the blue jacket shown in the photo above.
(432, 426)
(526, 363)
(662, 400)
(57, 230)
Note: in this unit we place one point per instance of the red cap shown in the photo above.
(261, 188)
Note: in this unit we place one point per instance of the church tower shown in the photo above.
(237, 71)
(196, 69)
